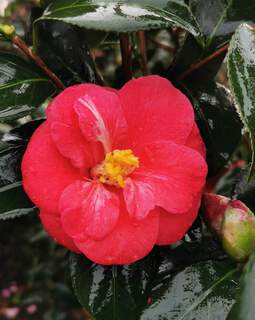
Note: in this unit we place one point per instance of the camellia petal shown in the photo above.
(52, 225)
(195, 141)
(115, 172)
(93, 211)
(176, 173)
(172, 227)
(45, 172)
(101, 117)
(79, 153)
(60, 114)
(129, 241)
(155, 110)
(139, 198)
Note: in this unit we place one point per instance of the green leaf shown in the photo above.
(123, 16)
(241, 71)
(167, 284)
(216, 117)
(22, 87)
(244, 308)
(13, 200)
(63, 48)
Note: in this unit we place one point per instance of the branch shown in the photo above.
(203, 62)
(126, 54)
(10, 33)
(143, 55)
(29, 53)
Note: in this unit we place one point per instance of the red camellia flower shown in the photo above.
(116, 172)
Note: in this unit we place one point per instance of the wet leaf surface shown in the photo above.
(164, 285)
(191, 279)
(216, 118)
(23, 87)
(13, 200)
(244, 309)
(63, 47)
(123, 16)
(241, 70)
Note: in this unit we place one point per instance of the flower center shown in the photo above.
(116, 167)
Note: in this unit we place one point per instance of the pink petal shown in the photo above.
(195, 141)
(52, 225)
(65, 128)
(176, 173)
(155, 110)
(45, 172)
(129, 241)
(139, 198)
(172, 227)
(93, 211)
(79, 152)
(101, 117)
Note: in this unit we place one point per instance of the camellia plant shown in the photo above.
(127, 149)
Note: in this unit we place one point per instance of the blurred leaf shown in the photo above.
(244, 308)
(124, 16)
(216, 118)
(22, 87)
(155, 287)
(241, 70)
(13, 200)
(63, 47)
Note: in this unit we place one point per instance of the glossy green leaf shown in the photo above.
(216, 117)
(123, 16)
(244, 308)
(63, 47)
(167, 284)
(241, 71)
(22, 87)
(13, 200)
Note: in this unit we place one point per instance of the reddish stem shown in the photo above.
(29, 53)
(126, 54)
(143, 50)
(201, 63)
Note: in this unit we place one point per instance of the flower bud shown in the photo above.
(233, 222)
(214, 207)
(7, 30)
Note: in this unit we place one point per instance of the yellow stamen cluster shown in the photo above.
(117, 165)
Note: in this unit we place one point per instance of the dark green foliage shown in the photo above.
(23, 87)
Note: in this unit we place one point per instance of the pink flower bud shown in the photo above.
(32, 309)
(233, 222)
(6, 293)
(214, 207)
